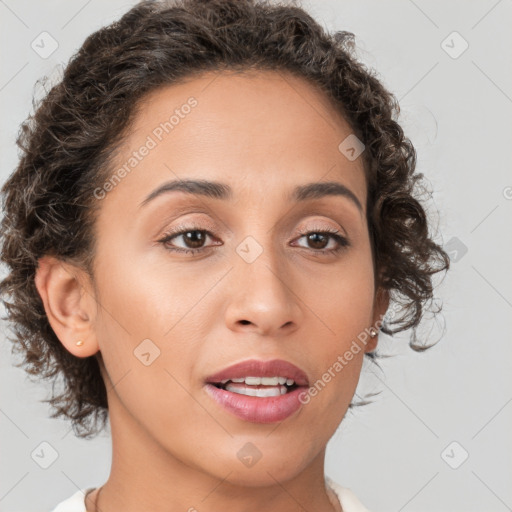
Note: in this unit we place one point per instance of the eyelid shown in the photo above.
(186, 224)
(319, 222)
(183, 228)
(197, 225)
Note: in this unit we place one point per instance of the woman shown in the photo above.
(213, 213)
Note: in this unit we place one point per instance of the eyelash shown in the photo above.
(343, 243)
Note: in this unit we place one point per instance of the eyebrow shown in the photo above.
(217, 190)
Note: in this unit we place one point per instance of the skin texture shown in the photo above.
(262, 133)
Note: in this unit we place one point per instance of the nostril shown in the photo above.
(245, 322)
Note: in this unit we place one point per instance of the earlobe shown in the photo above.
(69, 307)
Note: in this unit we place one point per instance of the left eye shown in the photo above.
(321, 239)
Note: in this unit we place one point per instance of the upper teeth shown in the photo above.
(265, 381)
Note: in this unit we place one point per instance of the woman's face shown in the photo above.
(256, 287)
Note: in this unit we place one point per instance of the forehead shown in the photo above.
(261, 131)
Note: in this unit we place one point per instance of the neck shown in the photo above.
(147, 476)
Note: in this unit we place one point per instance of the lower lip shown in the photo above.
(257, 410)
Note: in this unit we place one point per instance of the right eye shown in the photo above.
(193, 238)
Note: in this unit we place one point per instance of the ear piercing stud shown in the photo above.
(80, 343)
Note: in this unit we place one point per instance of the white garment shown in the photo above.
(348, 500)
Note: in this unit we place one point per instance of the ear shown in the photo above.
(380, 306)
(69, 304)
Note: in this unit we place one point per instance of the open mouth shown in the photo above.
(258, 386)
(259, 391)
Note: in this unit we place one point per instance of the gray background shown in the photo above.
(396, 454)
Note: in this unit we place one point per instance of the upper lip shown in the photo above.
(257, 368)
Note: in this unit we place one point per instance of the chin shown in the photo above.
(261, 476)
(260, 464)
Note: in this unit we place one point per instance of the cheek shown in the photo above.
(157, 313)
(342, 300)
(146, 297)
(343, 310)
(148, 341)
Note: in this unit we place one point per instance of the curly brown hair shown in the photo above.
(68, 143)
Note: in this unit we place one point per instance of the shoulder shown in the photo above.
(74, 503)
(349, 501)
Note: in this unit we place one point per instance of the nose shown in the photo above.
(262, 298)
